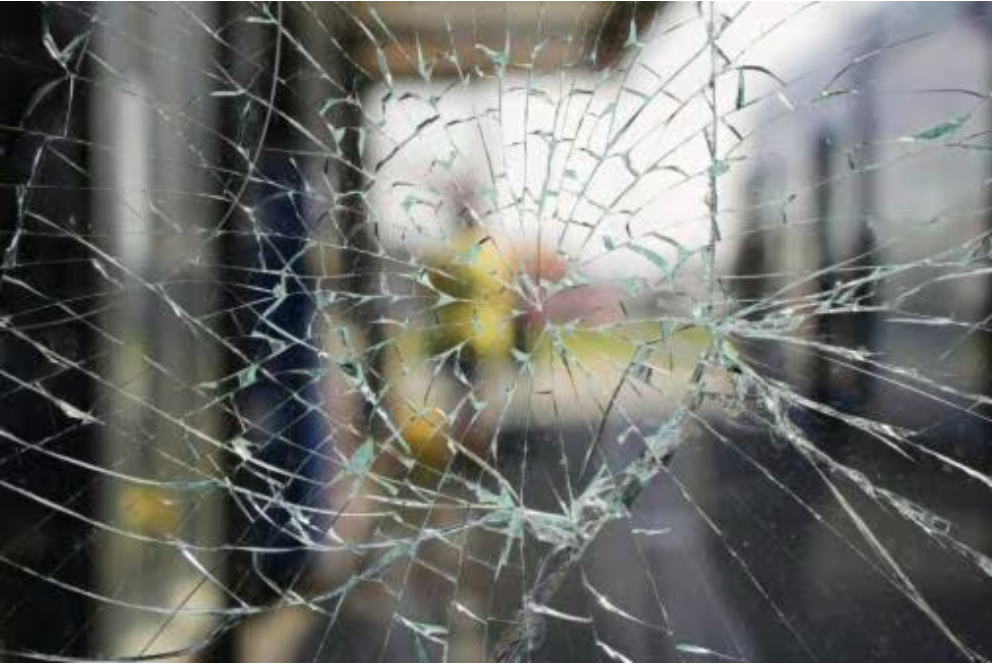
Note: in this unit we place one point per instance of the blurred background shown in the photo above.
(472, 331)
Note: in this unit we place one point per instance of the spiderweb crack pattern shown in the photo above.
(467, 331)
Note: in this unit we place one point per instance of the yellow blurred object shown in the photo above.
(676, 351)
(426, 434)
(477, 301)
(149, 510)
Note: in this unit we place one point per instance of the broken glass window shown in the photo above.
(469, 331)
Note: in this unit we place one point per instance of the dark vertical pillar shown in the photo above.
(43, 265)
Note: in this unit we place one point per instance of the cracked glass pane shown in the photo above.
(466, 331)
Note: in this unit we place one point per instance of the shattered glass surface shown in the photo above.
(456, 331)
